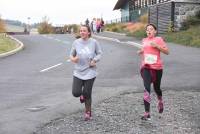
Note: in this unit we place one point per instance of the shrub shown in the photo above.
(45, 27)
(140, 33)
(116, 27)
(2, 26)
(144, 19)
(195, 42)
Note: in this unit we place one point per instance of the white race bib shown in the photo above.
(150, 59)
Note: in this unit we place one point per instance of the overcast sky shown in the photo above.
(58, 11)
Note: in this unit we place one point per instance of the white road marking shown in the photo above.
(57, 40)
(46, 69)
(118, 41)
(66, 42)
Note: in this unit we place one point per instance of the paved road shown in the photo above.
(121, 113)
(31, 98)
(33, 93)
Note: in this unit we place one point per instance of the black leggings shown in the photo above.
(82, 87)
(151, 76)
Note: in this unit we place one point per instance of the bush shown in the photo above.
(190, 37)
(45, 27)
(2, 26)
(195, 42)
(144, 19)
(116, 27)
(140, 33)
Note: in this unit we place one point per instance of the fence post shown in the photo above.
(172, 14)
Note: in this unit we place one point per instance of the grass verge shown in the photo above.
(6, 44)
(190, 37)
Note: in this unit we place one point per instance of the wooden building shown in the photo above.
(165, 14)
(131, 10)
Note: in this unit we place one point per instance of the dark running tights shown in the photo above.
(83, 87)
(151, 76)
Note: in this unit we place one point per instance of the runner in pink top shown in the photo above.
(151, 55)
(152, 67)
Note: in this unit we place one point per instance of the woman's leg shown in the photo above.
(158, 91)
(77, 87)
(87, 93)
(146, 75)
(157, 83)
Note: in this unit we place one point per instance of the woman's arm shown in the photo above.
(73, 54)
(98, 52)
(163, 49)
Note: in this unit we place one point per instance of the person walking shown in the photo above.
(87, 22)
(152, 67)
(94, 25)
(85, 53)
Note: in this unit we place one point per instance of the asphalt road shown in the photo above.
(35, 84)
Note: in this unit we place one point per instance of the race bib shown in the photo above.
(150, 59)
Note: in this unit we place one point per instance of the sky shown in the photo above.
(58, 11)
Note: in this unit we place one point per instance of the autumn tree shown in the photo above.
(45, 27)
(2, 26)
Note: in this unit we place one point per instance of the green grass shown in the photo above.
(115, 27)
(190, 37)
(6, 44)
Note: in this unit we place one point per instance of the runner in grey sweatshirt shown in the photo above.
(85, 53)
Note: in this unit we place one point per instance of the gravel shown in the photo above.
(121, 115)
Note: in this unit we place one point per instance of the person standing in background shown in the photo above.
(87, 22)
(85, 53)
(152, 67)
(94, 25)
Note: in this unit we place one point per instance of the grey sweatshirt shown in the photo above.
(86, 51)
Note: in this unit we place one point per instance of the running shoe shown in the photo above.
(82, 99)
(160, 106)
(88, 115)
(146, 116)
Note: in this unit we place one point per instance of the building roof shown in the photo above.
(119, 4)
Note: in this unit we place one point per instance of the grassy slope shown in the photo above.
(6, 44)
(190, 37)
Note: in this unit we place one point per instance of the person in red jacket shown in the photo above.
(152, 67)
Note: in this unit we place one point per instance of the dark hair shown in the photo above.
(88, 28)
(151, 24)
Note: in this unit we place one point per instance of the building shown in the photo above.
(164, 14)
(131, 10)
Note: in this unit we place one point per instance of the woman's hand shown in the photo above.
(140, 51)
(74, 59)
(92, 63)
(153, 44)
(162, 49)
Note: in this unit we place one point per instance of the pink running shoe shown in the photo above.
(88, 115)
(160, 106)
(82, 99)
(146, 116)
